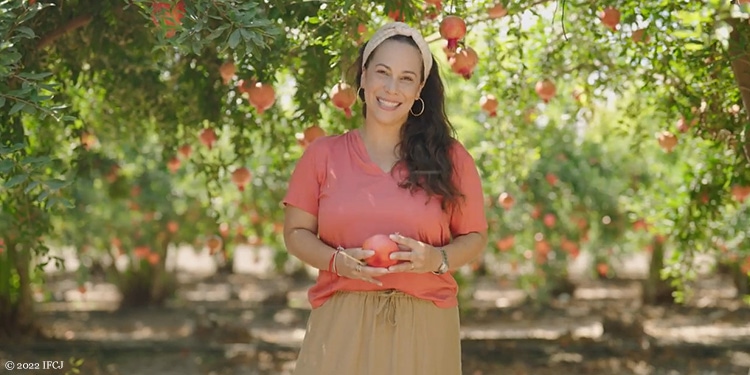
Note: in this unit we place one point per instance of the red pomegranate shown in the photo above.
(241, 177)
(383, 247)
(312, 133)
(610, 18)
(343, 97)
(396, 15)
(185, 151)
(546, 90)
(740, 193)
(489, 104)
(506, 200)
(169, 14)
(667, 141)
(261, 96)
(505, 243)
(227, 71)
(431, 12)
(639, 36)
(452, 28)
(174, 164)
(208, 137)
(214, 243)
(464, 61)
(497, 11)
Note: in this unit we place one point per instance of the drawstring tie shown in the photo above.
(387, 305)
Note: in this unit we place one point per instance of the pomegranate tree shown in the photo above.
(452, 29)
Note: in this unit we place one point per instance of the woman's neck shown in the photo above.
(380, 139)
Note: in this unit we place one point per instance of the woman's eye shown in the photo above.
(409, 79)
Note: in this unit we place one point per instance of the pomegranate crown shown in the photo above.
(399, 28)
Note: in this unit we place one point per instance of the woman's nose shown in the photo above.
(390, 85)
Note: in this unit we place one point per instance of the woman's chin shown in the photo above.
(388, 118)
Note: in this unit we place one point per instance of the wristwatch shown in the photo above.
(444, 265)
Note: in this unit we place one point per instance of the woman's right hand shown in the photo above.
(347, 265)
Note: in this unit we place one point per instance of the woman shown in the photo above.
(400, 174)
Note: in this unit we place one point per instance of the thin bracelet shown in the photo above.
(333, 261)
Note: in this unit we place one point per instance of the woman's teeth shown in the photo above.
(387, 104)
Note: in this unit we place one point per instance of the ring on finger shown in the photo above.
(412, 266)
(358, 268)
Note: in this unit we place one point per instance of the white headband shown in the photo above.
(399, 28)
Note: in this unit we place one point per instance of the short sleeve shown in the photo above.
(303, 190)
(469, 215)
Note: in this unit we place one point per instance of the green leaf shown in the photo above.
(35, 76)
(15, 181)
(56, 184)
(36, 161)
(246, 34)
(6, 165)
(16, 107)
(215, 34)
(234, 38)
(9, 150)
(64, 202)
(31, 187)
(2, 101)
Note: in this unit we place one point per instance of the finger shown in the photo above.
(359, 253)
(374, 271)
(402, 255)
(406, 241)
(402, 267)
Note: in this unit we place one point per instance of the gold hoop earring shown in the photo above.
(420, 112)
(362, 95)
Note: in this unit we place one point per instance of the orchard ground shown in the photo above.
(251, 321)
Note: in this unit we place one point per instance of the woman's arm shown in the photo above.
(463, 250)
(300, 228)
(301, 240)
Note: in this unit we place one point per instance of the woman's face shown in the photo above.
(392, 82)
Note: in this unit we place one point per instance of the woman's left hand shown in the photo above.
(419, 256)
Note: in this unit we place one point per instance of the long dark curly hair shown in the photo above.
(425, 139)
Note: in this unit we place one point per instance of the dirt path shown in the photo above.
(252, 323)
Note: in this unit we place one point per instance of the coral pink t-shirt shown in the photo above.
(353, 199)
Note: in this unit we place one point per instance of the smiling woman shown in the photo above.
(403, 174)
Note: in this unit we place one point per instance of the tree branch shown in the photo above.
(73, 24)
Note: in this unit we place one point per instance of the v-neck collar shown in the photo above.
(364, 157)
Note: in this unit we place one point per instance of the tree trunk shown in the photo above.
(655, 289)
(739, 55)
(17, 312)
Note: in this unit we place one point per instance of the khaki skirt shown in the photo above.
(380, 333)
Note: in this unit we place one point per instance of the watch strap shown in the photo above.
(444, 265)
